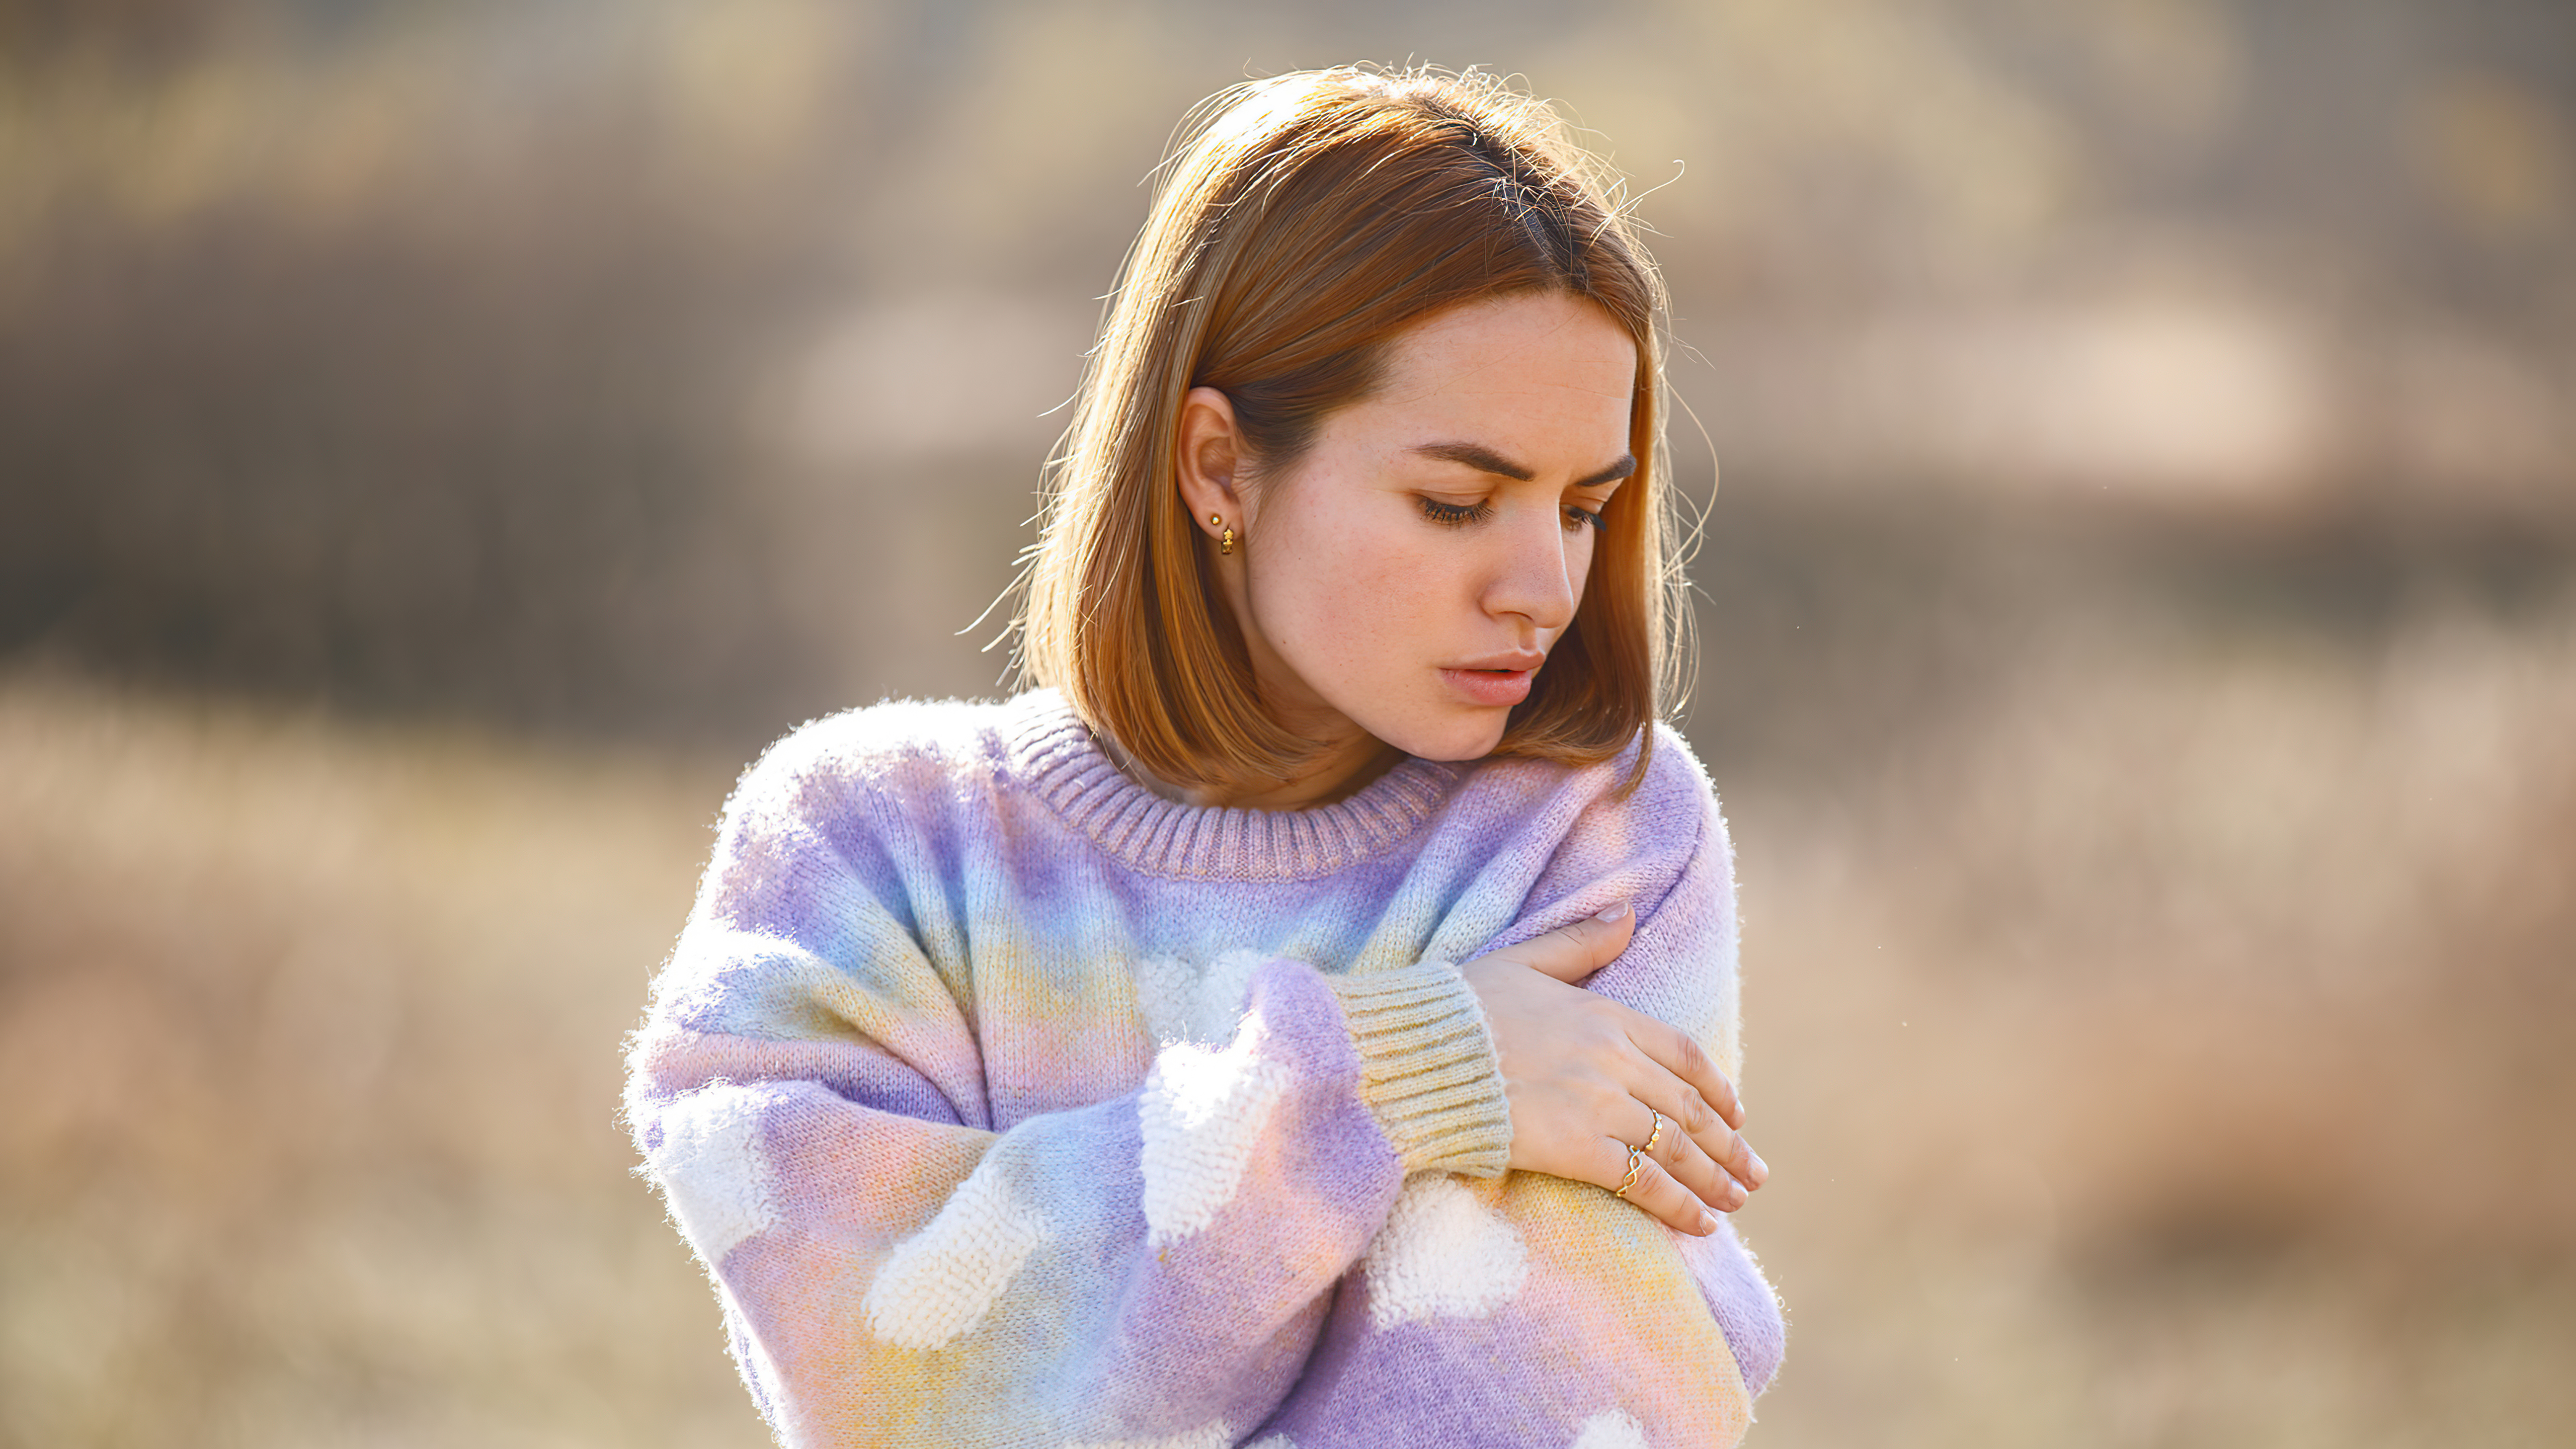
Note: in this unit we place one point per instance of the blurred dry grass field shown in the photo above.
(2172, 1048)
(308, 1066)
(2239, 1123)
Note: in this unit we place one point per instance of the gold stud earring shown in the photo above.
(1226, 543)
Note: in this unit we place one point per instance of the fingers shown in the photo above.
(1580, 1071)
(1673, 1049)
(1655, 1190)
(1684, 1084)
(1718, 1158)
(1707, 1177)
(1571, 953)
(1678, 1079)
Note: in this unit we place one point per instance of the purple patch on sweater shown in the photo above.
(1741, 1302)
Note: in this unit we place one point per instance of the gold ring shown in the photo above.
(1636, 1164)
(1655, 1136)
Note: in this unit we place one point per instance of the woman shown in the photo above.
(1095, 1068)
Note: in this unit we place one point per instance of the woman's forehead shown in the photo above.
(1491, 344)
(1546, 369)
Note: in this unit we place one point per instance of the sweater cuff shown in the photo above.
(1428, 1068)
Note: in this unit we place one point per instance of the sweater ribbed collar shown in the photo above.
(1054, 755)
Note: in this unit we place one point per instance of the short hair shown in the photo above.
(1301, 223)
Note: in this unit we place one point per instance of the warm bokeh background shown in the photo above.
(439, 443)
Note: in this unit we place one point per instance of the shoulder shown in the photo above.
(1675, 788)
(901, 755)
(1592, 834)
(1663, 817)
(1665, 805)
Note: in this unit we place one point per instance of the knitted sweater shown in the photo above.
(1008, 1103)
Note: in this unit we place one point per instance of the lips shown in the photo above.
(1495, 683)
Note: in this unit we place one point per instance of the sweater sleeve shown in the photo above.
(1151, 1268)
(1617, 1330)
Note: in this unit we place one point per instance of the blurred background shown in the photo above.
(439, 444)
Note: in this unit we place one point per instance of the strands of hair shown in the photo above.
(1300, 224)
(1532, 202)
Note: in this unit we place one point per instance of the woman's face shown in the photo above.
(1404, 581)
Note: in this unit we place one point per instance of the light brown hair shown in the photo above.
(1300, 225)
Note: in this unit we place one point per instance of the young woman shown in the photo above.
(1191, 1052)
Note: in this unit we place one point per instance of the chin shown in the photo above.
(1452, 740)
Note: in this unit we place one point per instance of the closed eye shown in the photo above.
(1456, 514)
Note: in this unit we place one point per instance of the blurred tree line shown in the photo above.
(677, 370)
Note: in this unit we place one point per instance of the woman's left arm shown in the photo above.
(1539, 1310)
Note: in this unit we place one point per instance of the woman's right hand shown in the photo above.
(1584, 1076)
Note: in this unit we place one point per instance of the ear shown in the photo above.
(1211, 457)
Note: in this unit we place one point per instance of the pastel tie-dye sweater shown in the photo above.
(1008, 1103)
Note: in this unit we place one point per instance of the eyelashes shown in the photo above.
(1459, 515)
(1456, 514)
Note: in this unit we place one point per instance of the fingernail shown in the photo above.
(1707, 1222)
(1618, 912)
(1761, 1169)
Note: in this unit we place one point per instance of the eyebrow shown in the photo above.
(1486, 460)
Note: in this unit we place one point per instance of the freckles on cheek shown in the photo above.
(1358, 603)
(1347, 611)
(1394, 584)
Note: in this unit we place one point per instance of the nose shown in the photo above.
(1536, 573)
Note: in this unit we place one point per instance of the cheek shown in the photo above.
(1347, 595)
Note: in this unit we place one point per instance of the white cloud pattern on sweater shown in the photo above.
(1202, 1115)
(1200, 1004)
(937, 1284)
(1611, 1429)
(1442, 1254)
(713, 1170)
